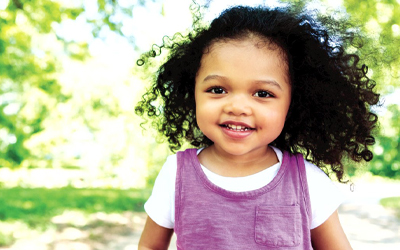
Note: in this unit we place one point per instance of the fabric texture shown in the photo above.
(325, 196)
(276, 216)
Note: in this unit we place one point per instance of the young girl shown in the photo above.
(255, 92)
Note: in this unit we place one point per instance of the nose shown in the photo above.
(237, 105)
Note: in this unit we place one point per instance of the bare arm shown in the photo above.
(155, 237)
(330, 235)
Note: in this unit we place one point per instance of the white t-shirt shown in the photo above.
(325, 197)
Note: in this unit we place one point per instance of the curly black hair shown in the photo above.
(330, 117)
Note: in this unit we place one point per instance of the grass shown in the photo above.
(392, 203)
(6, 239)
(36, 206)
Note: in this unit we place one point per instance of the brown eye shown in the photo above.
(216, 90)
(262, 93)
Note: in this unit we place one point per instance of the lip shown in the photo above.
(236, 134)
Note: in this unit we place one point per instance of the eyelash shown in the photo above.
(221, 89)
(268, 94)
(212, 90)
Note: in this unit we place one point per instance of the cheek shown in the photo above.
(206, 114)
(202, 103)
(202, 112)
(200, 109)
(274, 118)
(202, 119)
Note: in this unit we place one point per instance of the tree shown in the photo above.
(386, 161)
(380, 21)
(28, 85)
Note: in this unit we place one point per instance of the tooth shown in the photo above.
(237, 127)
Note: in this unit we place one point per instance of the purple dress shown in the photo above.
(276, 216)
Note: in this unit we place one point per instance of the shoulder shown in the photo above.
(159, 207)
(315, 173)
(318, 180)
(168, 170)
(325, 195)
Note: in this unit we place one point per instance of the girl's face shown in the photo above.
(242, 95)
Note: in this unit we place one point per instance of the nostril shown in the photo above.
(237, 107)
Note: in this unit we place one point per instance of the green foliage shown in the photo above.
(392, 203)
(380, 21)
(386, 161)
(35, 207)
(29, 88)
(25, 67)
(6, 239)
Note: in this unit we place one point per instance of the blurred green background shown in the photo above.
(69, 139)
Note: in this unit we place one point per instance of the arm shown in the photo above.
(330, 235)
(155, 237)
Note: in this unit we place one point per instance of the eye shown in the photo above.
(216, 90)
(263, 94)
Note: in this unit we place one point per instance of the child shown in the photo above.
(255, 92)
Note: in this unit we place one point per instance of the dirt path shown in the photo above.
(368, 225)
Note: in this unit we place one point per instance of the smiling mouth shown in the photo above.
(236, 127)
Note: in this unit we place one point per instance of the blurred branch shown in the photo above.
(18, 4)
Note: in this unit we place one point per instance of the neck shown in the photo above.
(225, 164)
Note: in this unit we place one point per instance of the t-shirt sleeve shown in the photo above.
(160, 205)
(325, 195)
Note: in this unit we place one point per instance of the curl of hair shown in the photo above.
(329, 117)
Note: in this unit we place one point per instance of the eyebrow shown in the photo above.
(218, 77)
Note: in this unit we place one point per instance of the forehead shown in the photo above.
(264, 50)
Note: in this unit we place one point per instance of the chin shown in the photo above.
(236, 151)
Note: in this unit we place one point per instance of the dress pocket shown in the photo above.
(278, 226)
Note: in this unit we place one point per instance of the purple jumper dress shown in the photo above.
(276, 216)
